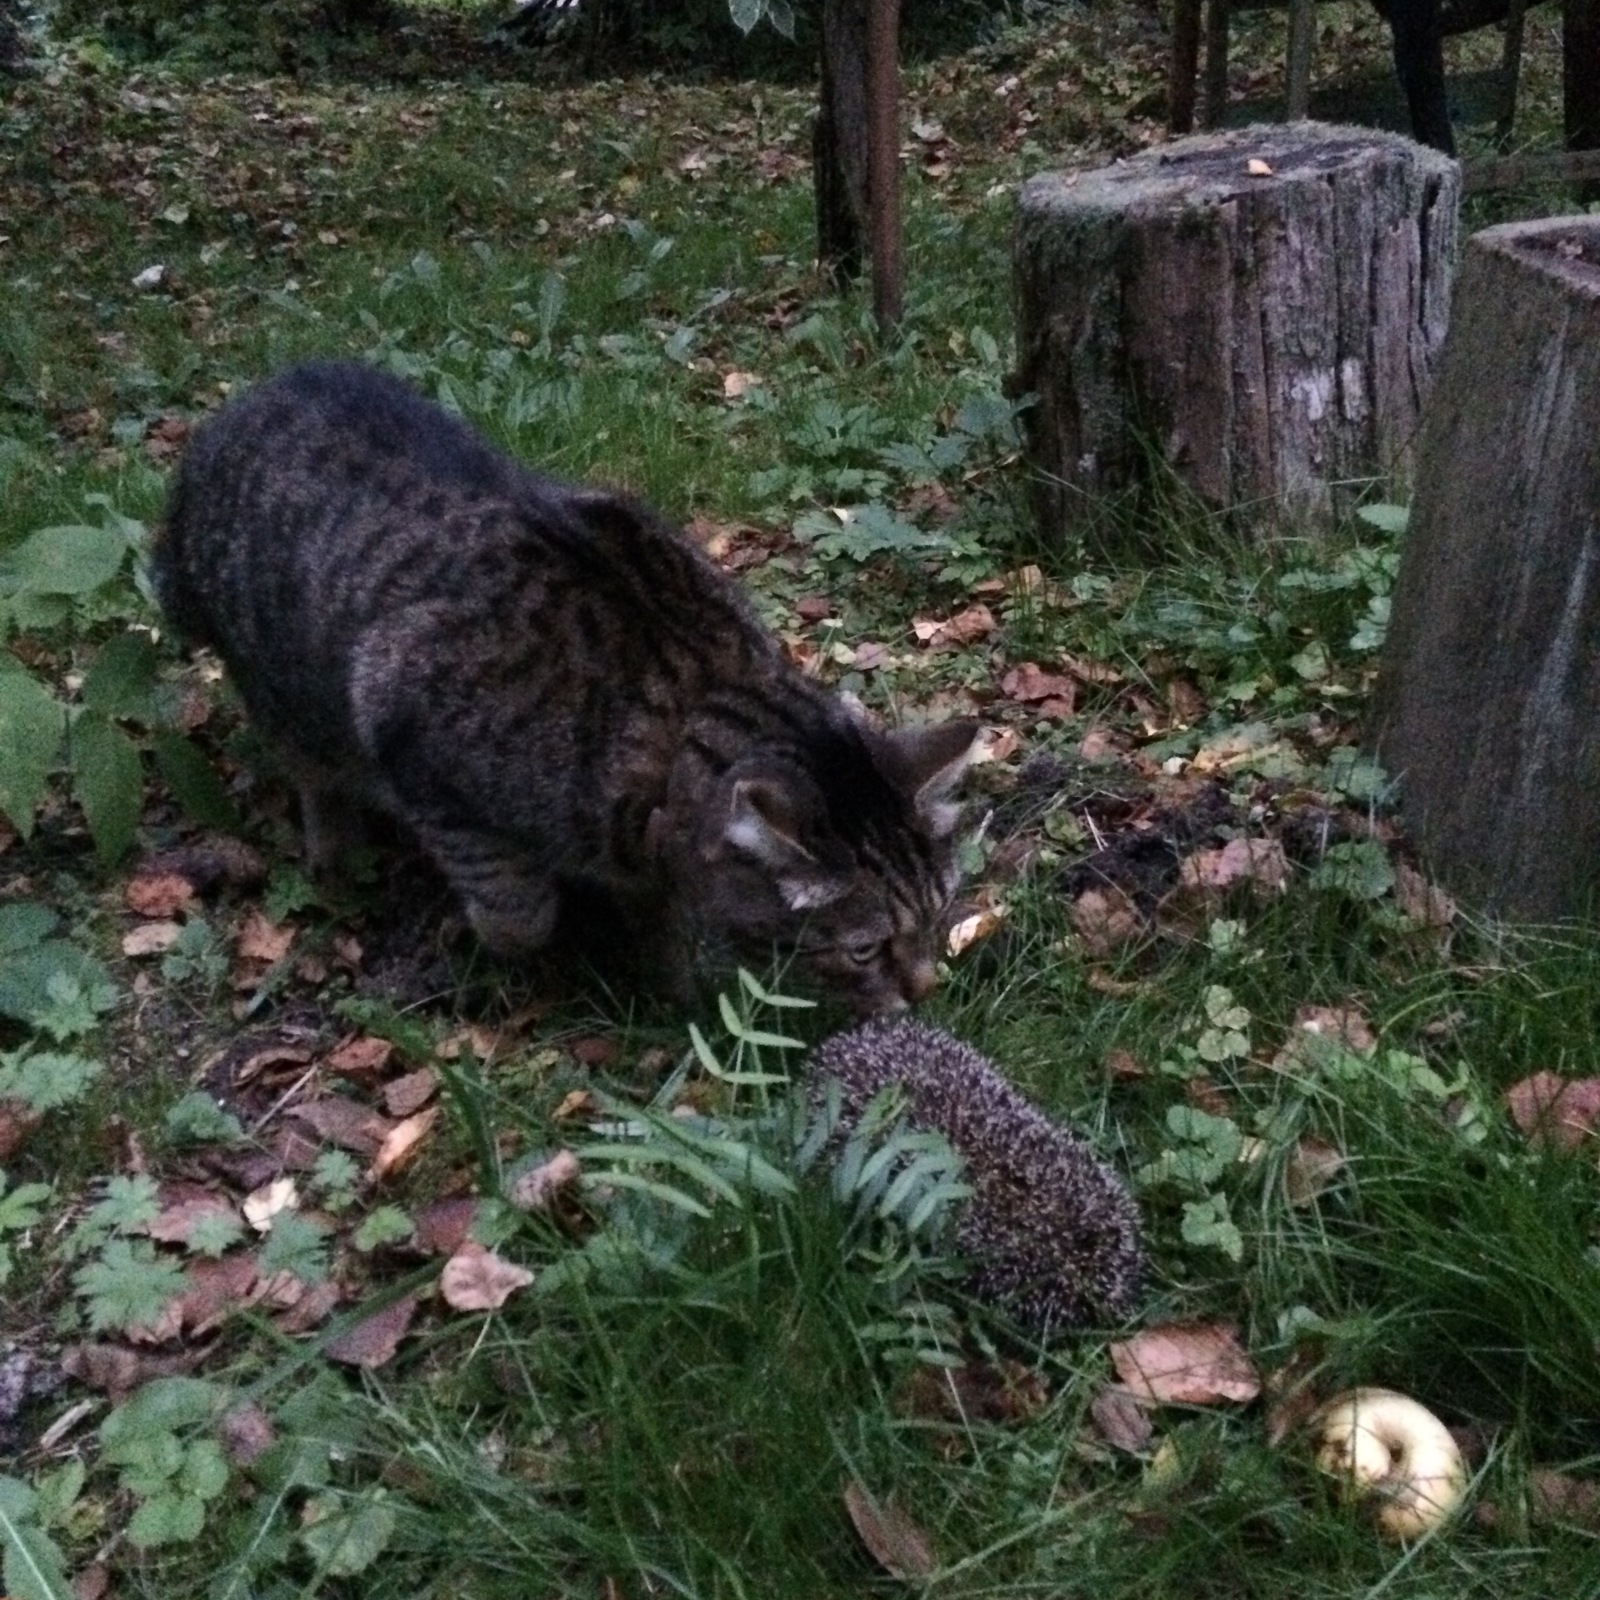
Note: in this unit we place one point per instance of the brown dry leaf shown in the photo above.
(1102, 982)
(246, 1433)
(158, 894)
(1292, 1397)
(346, 1123)
(1420, 900)
(214, 1289)
(361, 1057)
(308, 1306)
(575, 1103)
(1186, 1363)
(1311, 1167)
(969, 930)
(1101, 744)
(1206, 1094)
(894, 1541)
(1050, 694)
(408, 1095)
(537, 1188)
(1087, 671)
(476, 1279)
(1185, 702)
(181, 1212)
(1555, 1111)
(1125, 1066)
(373, 1341)
(93, 1583)
(979, 1391)
(1122, 1422)
(151, 939)
(402, 1143)
(952, 633)
(17, 1125)
(1319, 1029)
(263, 1204)
(1106, 920)
(1560, 1497)
(260, 940)
(442, 1228)
(1260, 863)
(596, 1051)
(996, 744)
(870, 656)
(735, 385)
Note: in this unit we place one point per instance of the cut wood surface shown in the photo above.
(1488, 705)
(1260, 310)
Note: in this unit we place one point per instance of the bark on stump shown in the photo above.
(1267, 335)
(1488, 702)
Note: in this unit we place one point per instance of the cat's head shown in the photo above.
(842, 856)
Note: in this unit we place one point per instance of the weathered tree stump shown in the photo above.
(1259, 310)
(1488, 703)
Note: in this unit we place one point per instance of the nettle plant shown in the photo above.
(96, 727)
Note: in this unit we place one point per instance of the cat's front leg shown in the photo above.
(511, 905)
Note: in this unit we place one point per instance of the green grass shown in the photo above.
(579, 270)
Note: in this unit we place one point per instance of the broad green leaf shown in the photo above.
(24, 924)
(159, 1408)
(1359, 868)
(386, 1225)
(107, 781)
(128, 1286)
(344, 1543)
(1386, 518)
(171, 1517)
(194, 782)
(31, 725)
(75, 559)
(123, 678)
(33, 1566)
(44, 1080)
(42, 985)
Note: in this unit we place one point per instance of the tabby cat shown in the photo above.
(552, 689)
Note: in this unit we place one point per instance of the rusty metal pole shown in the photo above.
(883, 157)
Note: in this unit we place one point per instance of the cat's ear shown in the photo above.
(761, 822)
(928, 763)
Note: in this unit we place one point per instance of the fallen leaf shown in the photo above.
(1186, 1363)
(735, 385)
(1122, 1422)
(1260, 863)
(1555, 1111)
(1320, 1034)
(1420, 900)
(159, 894)
(260, 940)
(969, 930)
(813, 607)
(361, 1057)
(402, 1143)
(1560, 1497)
(996, 744)
(409, 1094)
(246, 1433)
(1257, 168)
(1106, 920)
(964, 628)
(1124, 1066)
(596, 1051)
(345, 1122)
(894, 1541)
(1053, 693)
(177, 1218)
(17, 1125)
(537, 1188)
(213, 1290)
(307, 1306)
(476, 1279)
(1101, 744)
(373, 1341)
(93, 1583)
(1313, 1164)
(442, 1228)
(151, 938)
(575, 1103)
(263, 1204)
(1292, 1397)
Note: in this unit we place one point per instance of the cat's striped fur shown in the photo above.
(552, 688)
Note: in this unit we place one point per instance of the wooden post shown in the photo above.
(1580, 72)
(1302, 46)
(1183, 64)
(883, 161)
(1510, 73)
(1214, 107)
(1256, 313)
(1488, 702)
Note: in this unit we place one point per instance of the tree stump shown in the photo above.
(1488, 702)
(1260, 311)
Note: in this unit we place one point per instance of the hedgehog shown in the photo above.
(1051, 1231)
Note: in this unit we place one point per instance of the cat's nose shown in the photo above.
(921, 979)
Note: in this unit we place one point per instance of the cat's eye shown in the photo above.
(864, 950)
